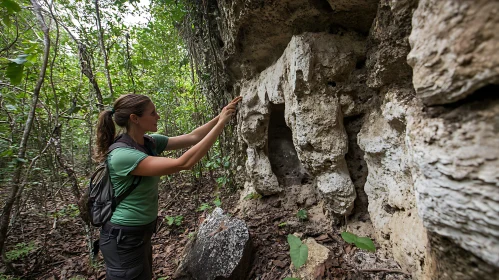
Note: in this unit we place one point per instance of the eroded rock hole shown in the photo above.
(282, 154)
(360, 64)
(357, 166)
(321, 5)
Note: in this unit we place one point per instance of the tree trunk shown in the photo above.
(103, 48)
(7, 208)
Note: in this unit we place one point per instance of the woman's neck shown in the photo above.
(137, 136)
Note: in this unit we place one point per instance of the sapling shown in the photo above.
(360, 242)
(302, 215)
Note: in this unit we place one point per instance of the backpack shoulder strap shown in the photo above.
(117, 145)
(135, 183)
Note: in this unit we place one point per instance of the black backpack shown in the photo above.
(101, 199)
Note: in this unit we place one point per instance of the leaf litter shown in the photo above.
(62, 249)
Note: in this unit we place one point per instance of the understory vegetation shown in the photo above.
(61, 63)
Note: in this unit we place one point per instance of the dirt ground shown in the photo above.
(61, 247)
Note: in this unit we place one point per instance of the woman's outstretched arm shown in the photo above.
(158, 166)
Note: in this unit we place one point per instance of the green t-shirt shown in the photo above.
(141, 206)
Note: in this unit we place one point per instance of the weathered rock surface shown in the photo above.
(221, 250)
(389, 185)
(454, 48)
(255, 33)
(456, 161)
(388, 43)
(317, 255)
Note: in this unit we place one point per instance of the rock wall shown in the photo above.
(410, 87)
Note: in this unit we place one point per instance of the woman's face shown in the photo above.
(149, 120)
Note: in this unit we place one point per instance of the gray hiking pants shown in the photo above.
(127, 251)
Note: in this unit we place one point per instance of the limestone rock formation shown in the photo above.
(309, 80)
(221, 250)
(454, 48)
(409, 86)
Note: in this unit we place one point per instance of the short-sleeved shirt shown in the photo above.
(140, 207)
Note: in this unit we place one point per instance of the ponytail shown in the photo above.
(106, 133)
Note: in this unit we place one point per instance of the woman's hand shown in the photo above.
(229, 110)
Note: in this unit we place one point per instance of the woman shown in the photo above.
(125, 241)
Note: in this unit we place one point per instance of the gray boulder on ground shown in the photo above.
(221, 250)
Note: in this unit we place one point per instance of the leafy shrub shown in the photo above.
(8, 277)
(203, 207)
(191, 235)
(20, 251)
(302, 215)
(222, 181)
(177, 220)
(70, 210)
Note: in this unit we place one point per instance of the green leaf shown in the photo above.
(20, 59)
(10, 5)
(178, 220)
(6, 20)
(32, 58)
(203, 207)
(7, 153)
(297, 250)
(365, 243)
(15, 73)
(349, 237)
(10, 107)
(294, 242)
(217, 202)
(253, 195)
(22, 160)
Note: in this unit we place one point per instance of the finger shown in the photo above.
(236, 100)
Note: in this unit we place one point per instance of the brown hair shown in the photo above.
(123, 107)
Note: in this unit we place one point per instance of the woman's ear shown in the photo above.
(133, 118)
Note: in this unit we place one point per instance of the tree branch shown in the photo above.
(103, 47)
